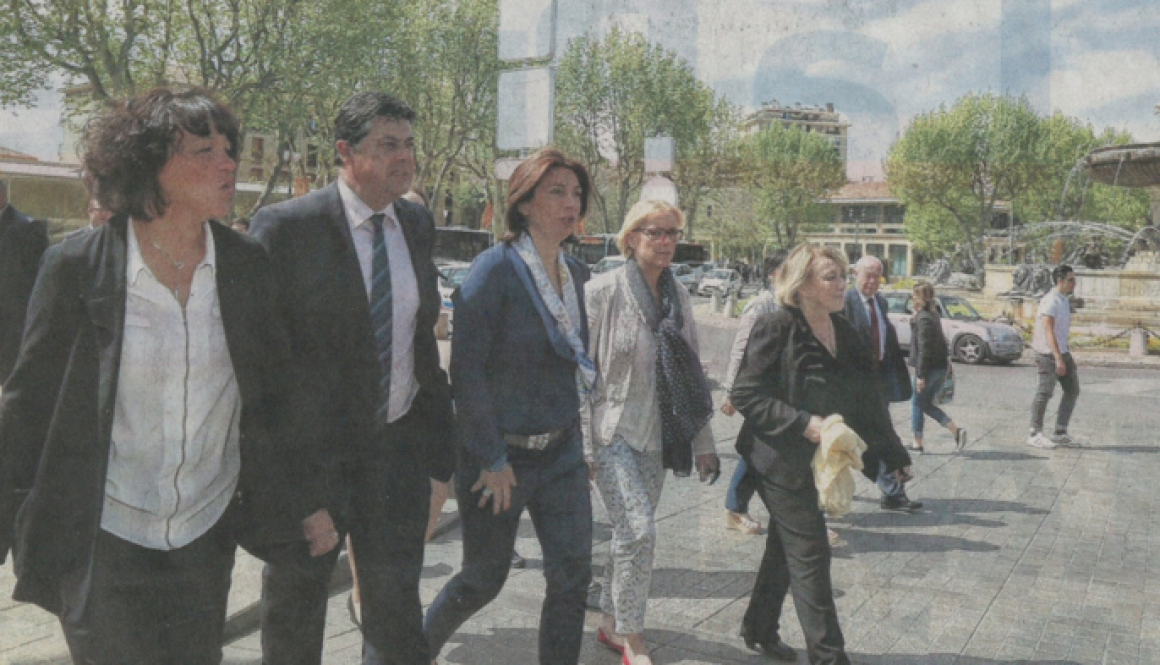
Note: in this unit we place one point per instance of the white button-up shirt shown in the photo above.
(404, 292)
(174, 459)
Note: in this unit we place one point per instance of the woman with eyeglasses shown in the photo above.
(651, 412)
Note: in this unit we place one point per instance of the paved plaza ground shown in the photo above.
(1019, 555)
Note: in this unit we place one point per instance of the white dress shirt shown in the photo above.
(174, 459)
(404, 292)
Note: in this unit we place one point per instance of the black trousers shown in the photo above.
(138, 606)
(387, 522)
(797, 559)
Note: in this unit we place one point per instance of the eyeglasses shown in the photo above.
(656, 234)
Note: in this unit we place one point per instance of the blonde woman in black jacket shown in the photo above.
(928, 357)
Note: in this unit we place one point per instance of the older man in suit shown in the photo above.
(22, 242)
(866, 309)
(360, 301)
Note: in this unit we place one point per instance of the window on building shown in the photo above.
(858, 214)
(257, 148)
(898, 260)
(853, 252)
(893, 214)
(311, 157)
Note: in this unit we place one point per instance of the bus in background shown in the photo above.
(591, 249)
(460, 244)
(691, 253)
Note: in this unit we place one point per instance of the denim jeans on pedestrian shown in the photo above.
(1045, 363)
(553, 487)
(741, 489)
(922, 402)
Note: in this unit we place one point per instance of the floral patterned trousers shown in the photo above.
(630, 485)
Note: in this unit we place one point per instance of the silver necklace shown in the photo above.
(179, 265)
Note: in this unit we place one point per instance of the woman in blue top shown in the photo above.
(519, 373)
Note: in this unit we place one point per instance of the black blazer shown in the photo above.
(56, 415)
(786, 377)
(324, 304)
(22, 242)
(928, 345)
(893, 375)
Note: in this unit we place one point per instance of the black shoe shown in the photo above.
(776, 649)
(518, 561)
(900, 504)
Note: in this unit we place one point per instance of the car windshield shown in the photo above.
(453, 277)
(680, 269)
(898, 303)
(959, 309)
(719, 274)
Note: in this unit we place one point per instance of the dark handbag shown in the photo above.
(946, 392)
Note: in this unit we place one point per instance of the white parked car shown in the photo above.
(608, 263)
(451, 275)
(721, 280)
(685, 275)
(970, 338)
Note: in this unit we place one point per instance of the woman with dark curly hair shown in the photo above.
(141, 432)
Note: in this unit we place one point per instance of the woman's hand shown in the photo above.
(320, 532)
(497, 488)
(814, 430)
(708, 467)
(920, 384)
(727, 408)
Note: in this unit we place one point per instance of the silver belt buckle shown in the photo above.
(530, 441)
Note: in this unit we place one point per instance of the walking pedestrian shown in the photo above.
(650, 414)
(22, 243)
(929, 357)
(803, 363)
(521, 374)
(1054, 362)
(359, 291)
(866, 310)
(147, 424)
(743, 484)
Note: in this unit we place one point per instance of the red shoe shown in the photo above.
(603, 639)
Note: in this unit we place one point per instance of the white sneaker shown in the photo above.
(1037, 440)
(1068, 441)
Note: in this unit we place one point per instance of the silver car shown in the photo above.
(686, 276)
(722, 280)
(971, 338)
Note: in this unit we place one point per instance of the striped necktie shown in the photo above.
(382, 313)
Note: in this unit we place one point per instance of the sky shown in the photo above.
(880, 62)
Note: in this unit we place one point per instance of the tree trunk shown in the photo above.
(272, 181)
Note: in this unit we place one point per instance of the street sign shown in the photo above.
(505, 167)
(659, 188)
(526, 30)
(526, 101)
(659, 154)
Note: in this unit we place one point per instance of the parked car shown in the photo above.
(451, 275)
(686, 276)
(970, 338)
(608, 263)
(721, 280)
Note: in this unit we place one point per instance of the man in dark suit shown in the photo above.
(866, 309)
(22, 242)
(360, 302)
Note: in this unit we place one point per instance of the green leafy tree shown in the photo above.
(953, 166)
(789, 173)
(706, 164)
(612, 94)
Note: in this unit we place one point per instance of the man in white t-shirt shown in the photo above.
(1054, 361)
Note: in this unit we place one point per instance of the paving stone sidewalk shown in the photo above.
(1019, 555)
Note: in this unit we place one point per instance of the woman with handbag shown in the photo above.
(804, 363)
(930, 359)
(651, 411)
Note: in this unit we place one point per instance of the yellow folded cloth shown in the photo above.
(841, 449)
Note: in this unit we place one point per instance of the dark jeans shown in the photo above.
(797, 559)
(139, 606)
(922, 402)
(387, 520)
(741, 489)
(553, 486)
(1045, 364)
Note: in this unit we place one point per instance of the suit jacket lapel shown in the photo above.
(105, 306)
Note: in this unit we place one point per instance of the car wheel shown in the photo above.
(970, 350)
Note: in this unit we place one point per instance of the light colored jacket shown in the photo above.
(614, 323)
(763, 303)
